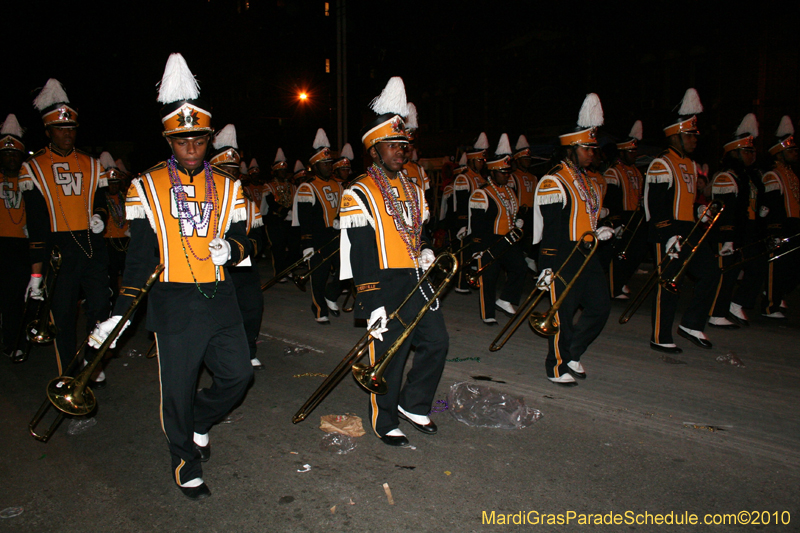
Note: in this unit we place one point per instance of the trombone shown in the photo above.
(286, 271)
(473, 276)
(790, 250)
(371, 377)
(41, 330)
(623, 255)
(715, 208)
(72, 396)
(545, 323)
(769, 244)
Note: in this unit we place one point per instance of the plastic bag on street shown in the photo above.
(482, 406)
(338, 443)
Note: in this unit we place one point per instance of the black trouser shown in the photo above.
(295, 243)
(15, 272)
(184, 410)
(116, 262)
(463, 257)
(512, 261)
(321, 287)
(78, 276)
(430, 341)
(279, 244)
(703, 268)
(589, 292)
(621, 270)
(782, 274)
(247, 283)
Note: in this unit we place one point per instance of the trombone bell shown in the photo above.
(45, 335)
(368, 378)
(544, 323)
(65, 394)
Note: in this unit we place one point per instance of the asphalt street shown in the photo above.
(641, 437)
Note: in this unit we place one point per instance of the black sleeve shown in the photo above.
(726, 225)
(462, 202)
(773, 200)
(276, 210)
(366, 268)
(312, 224)
(481, 226)
(659, 202)
(554, 231)
(256, 237)
(100, 206)
(613, 202)
(140, 262)
(38, 223)
(241, 246)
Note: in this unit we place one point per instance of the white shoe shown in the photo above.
(396, 433)
(323, 320)
(531, 264)
(505, 307)
(622, 296)
(417, 419)
(201, 440)
(576, 367)
(777, 315)
(461, 291)
(332, 305)
(625, 289)
(784, 305)
(490, 321)
(721, 322)
(737, 311)
(256, 363)
(565, 379)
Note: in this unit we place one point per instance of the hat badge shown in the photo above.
(64, 114)
(398, 126)
(187, 117)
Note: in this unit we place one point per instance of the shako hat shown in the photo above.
(411, 122)
(253, 168)
(280, 160)
(11, 134)
(322, 149)
(300, 170)
(390, 106)
(345, 157)
(744, 136)
(226, 148)
(522, 148)
(785, 135)
(501, 161)
(687, 115)
(590, 117)
(478, 150)
(113, 173)
(632, 142)
(183, 114)
(53, 104)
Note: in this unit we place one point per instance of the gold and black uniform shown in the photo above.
(624, 198)
(15, 268)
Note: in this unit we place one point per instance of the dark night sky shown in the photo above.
(518, 67)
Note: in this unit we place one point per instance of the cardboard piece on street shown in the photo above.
(347, 424)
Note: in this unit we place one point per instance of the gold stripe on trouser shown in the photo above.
(160, 391)
(770, 285)
(313, 300)
(178, 472)
(557, 338)
(55, 344)
(657, 325)
(373, 398)
(611, 277)
(719, 287)
(480, 289)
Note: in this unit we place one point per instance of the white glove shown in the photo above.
(336, 223)
(727, 249)
(128, 232)
(673, 242)
(426, 259)
(545, 279)
(34, 289)
(519, 223)
(97, 224)
(104, 329)
(763, 211)
(378, 319)
(461, 233)
(477, 255)
(603, 212)
(25, 231)
(220, 251)
(604, 233)
(702, 213)
(618, 231)
(308, 253)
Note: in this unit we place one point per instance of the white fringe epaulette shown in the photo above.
(411, 119)
(749, 126)
(522, 142)
(26, 185)
(358, 220)
(321, 140)
(636, 131)
(257, 223)
(133, 212)
(238, 214)
(591, 113)
(724, 183)
(548, 199)
(226, 137)
(11, 126)
(480, 201)
(785, 127)
(52, 93)
(354, 221)
(177, 83)
(503, 145)
(392, 99)
(690, 105)
(774, 184)
(660, 177)
(462, 185)
(138, 184)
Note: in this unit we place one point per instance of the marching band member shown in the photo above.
(116, 233)
(494, 213)
(190, 217)
(15, 266)
(316, 209)
(385, 251)
(736, 185)
(412, 168)
(523, 181)
(782, 216)
(342, 167)
(629, 183)
(567, 205)
(276, 210)
(669, 195)
(245, 276)
(65, 199)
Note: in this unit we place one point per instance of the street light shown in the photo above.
(303, 97)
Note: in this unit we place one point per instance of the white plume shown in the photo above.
(748, 126)
(11, 126)
(411, 119)
(690, 105)
(785, 127)
(522, 142)
(226, 137)
(178, 82)
(392, 99)
(121, 165)
(463, 161)
(636, 131)
(298, 166)
(321, 140)
(347, 151)
(242, 167)
(52, 93)
(591, 113)
(503, 146)
(254, 163)
(107, 161)
(279, 156)
(482, 143)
